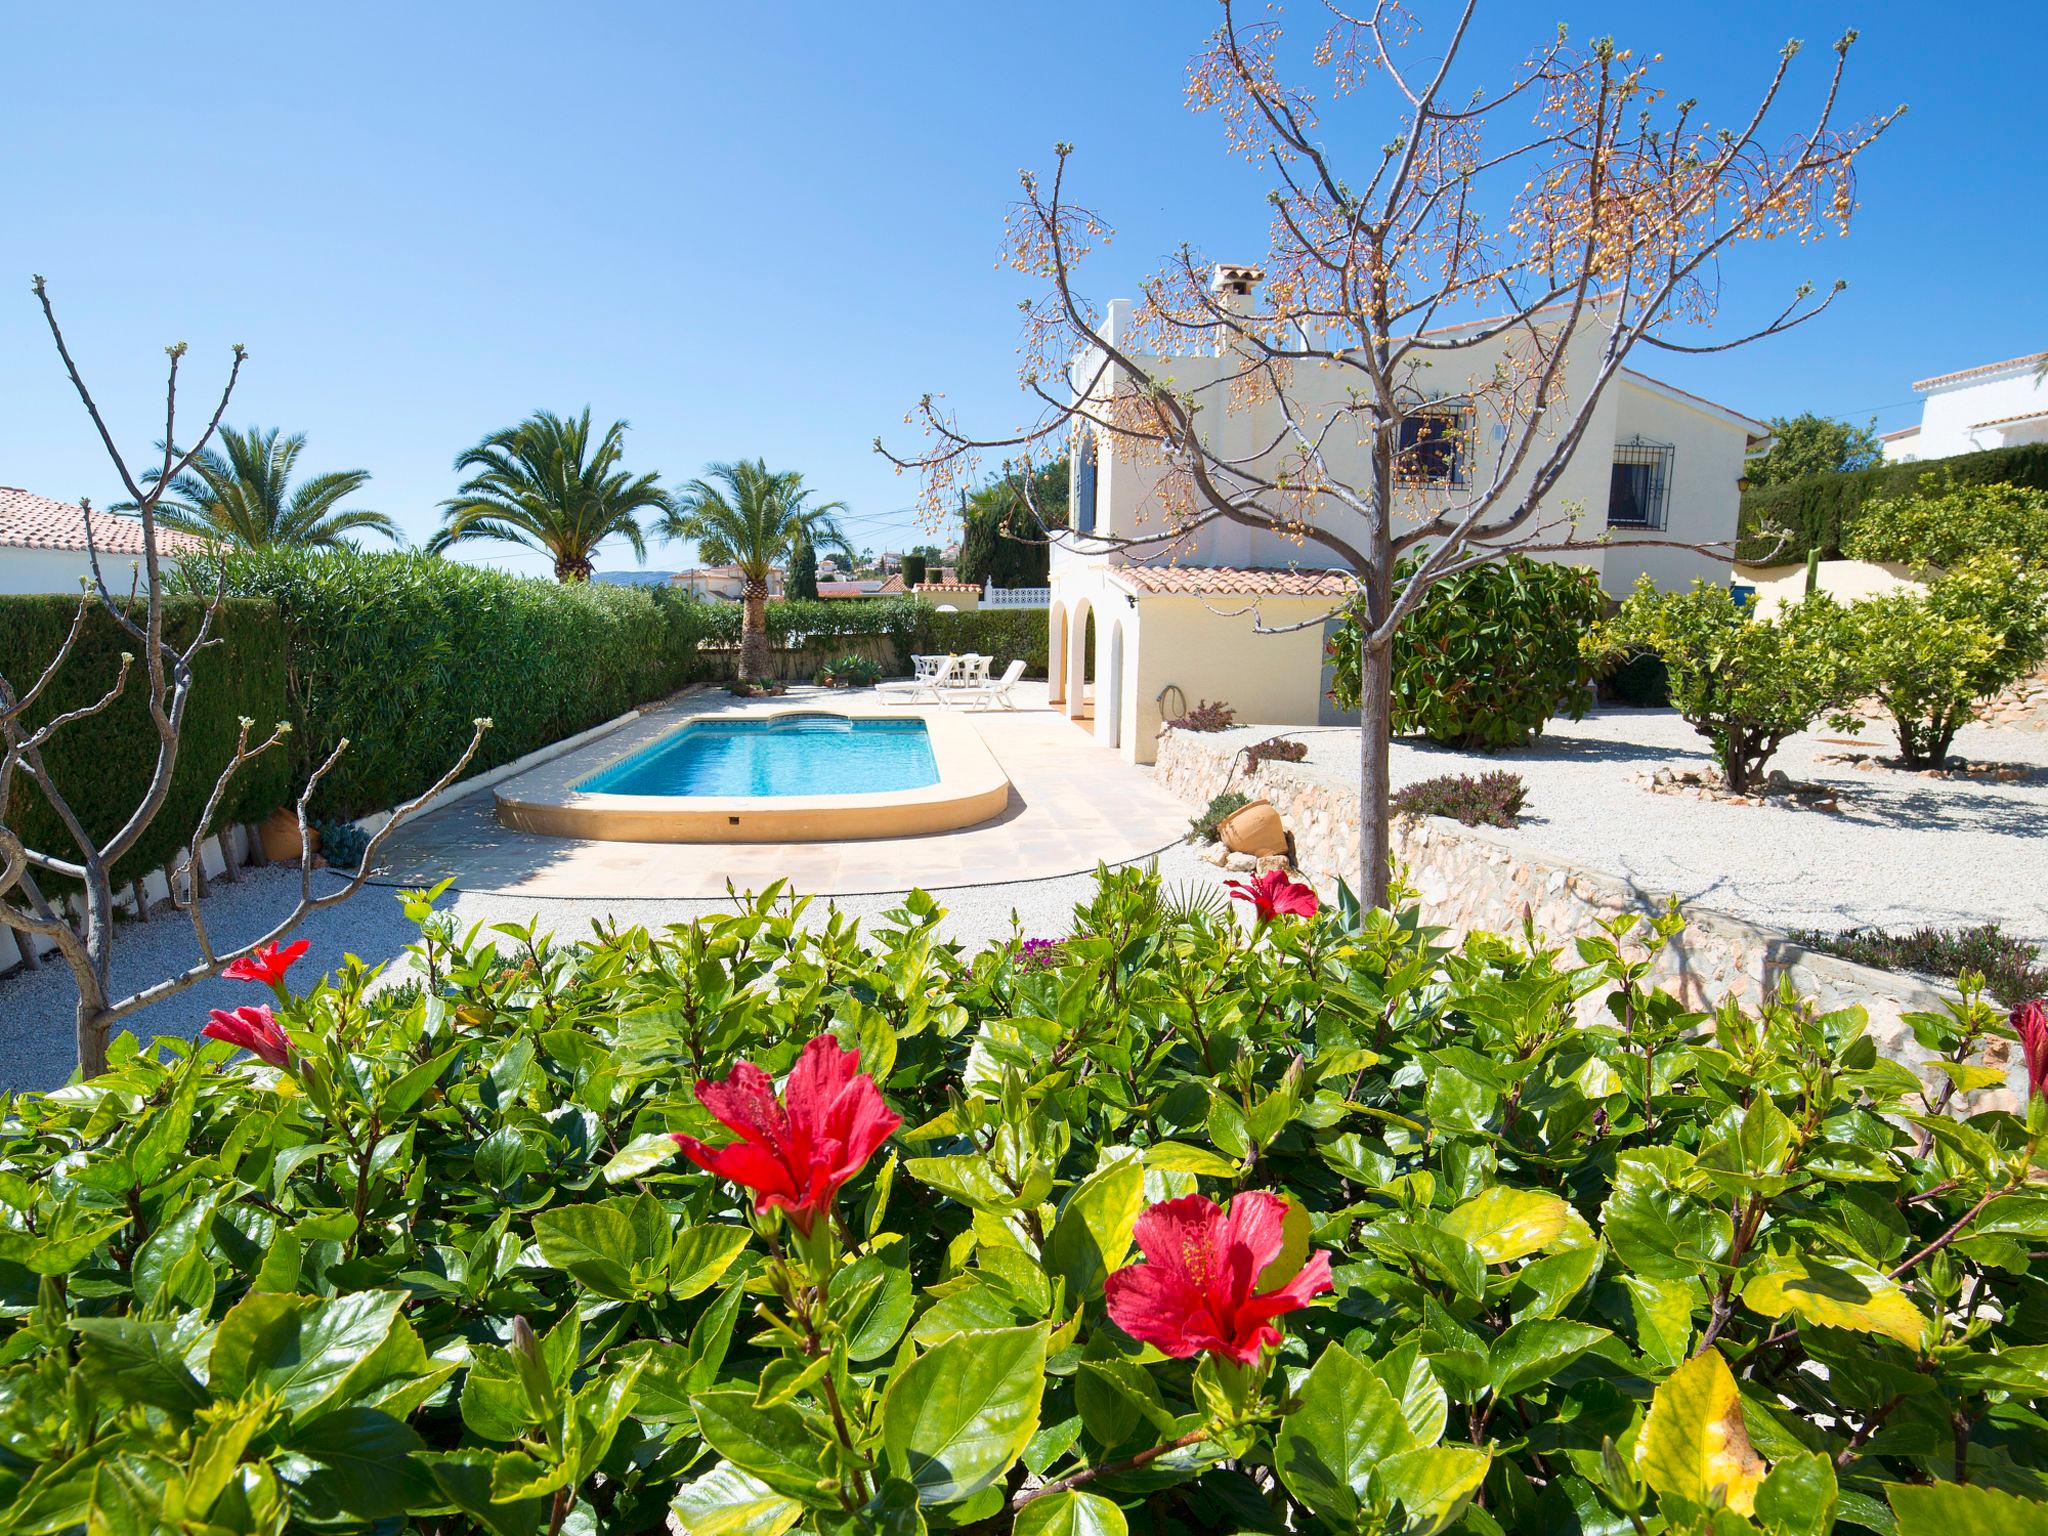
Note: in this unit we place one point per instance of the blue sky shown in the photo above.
(768, 228)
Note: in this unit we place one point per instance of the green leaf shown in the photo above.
(1071, 1513)
(1345, 1424)
(1694, 1445)
(405, 1091)
(1093, 1232)
(1179, 1157)
(702, 1254)
(1663, 1311)
(162, 1271)
(957, 1417)
(640, 1155)
(127, 1360)
(366, 1465)
(872, 1300)
(1964, 1509)
(1798, 1497)
(1449, 1258)
(727, 1501)
(1433, 1484)
(1658, 1230)
(595, 1243)
(467, 1477)
(771, 1443)
(1507, 1224)
(1837, 1293)
(1535, 1351)
(299, 1347)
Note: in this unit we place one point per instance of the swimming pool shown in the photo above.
(784, 755)
(765, 776)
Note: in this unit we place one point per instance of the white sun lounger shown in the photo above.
(987, 693)
(933, 673)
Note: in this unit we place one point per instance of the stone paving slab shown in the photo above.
(1072, 805)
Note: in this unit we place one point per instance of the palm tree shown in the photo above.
(543, 484)
(752, 518)
(243, 495)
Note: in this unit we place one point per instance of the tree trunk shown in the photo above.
(572, 568)
(1375, 781)
(92, 1039)
(754, 630)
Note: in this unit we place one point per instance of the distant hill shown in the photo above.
(634, 578)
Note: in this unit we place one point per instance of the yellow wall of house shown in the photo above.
(1843, 580)
(1183, 642)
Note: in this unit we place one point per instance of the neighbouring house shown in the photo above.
(722, 583)
(43, 544)
(1138, 634)
(1994, 405)
(961, 596)
(864, 586)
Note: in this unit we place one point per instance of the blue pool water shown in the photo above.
(819, 754)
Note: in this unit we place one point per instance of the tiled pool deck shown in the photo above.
(1072, 805)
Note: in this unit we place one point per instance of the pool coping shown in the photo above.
(972, 788)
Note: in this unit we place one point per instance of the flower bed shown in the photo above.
(1292, 1224)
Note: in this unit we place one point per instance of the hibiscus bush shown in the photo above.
(1254, 1223)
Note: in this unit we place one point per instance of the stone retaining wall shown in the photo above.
(1471, 878)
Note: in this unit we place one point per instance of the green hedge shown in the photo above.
(1818, 509)
(102, 764)
(1004, 633)
(400, 652)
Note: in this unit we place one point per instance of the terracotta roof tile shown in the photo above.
(1231, 581)
(2006, 421)
(29, 521)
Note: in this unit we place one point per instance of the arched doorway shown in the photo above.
(1056, 656)
(1109, 690)
(1080, 663)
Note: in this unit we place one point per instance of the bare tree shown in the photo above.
(1472, 288)
(87, 948)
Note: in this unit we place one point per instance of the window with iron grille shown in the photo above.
(1084, 482)
(1433, 449)
(1639, 490)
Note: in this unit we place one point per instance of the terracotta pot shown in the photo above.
(279, 835)
(1255, 829)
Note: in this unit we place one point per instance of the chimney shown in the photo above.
(1232, 280)
(1230, 286)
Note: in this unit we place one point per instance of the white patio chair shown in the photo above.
(927, 681)
(988, 693)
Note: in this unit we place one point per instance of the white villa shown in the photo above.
(1173, 626)
(722, 583)
(42, 544)
(1994, 405)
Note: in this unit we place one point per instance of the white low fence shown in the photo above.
(993, 596)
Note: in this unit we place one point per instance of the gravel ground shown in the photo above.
(36, 1045)
(1902, 851)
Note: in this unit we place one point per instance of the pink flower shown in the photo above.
(795, 1157)
(2030, 1023)
(267, 965)
(254, 1029)
(1193, 1292)
(1273, 895)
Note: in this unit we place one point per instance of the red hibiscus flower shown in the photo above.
(1194, 1290)
(2030, 1022)
(795, 1157)
(1274, 895)
(267, 965)
(254, 1029)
